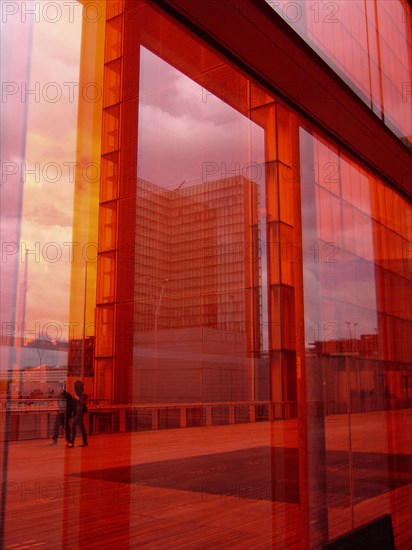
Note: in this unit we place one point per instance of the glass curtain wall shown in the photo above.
(191, 290)
(244, 335)
(50, 150)
(369, 44)
(356, 233)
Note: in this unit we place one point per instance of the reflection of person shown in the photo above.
(65, 406)
(80, 408)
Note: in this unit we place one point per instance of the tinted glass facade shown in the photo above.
(369, 44)
(227, 274)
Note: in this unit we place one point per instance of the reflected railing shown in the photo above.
(34, 419)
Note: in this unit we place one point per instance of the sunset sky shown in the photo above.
(51, 118)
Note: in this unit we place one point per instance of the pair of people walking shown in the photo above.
(70, 415)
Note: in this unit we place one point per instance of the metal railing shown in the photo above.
(34, 419)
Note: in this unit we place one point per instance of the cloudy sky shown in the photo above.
(48, 120)
(186, 133)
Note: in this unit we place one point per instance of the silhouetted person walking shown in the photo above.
(65, 406)
(80, 408)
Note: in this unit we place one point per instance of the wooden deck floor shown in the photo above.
(212, 487)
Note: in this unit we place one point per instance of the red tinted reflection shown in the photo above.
(237, 349)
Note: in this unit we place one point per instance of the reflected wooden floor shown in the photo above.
(212, 487)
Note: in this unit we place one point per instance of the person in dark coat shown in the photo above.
(80, 408)
(65, 406)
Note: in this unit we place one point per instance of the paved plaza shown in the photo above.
(220, 487)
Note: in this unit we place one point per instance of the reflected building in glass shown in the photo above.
(196, 333)
(213, 228)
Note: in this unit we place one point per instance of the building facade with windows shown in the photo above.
(251, 275)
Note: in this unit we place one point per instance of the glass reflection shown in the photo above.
(350, 328)
(249, 379)
(39, 133)
(198, 309)
(369, 44)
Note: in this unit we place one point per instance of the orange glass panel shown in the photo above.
(104, 333)
(112, 83)
(110, 129)
(59, 147)
(106, 278)
(108, 226)
(290, 254)
(109, 168)
(113, 45)
(103, 374)
(273, 253)
(114, 7)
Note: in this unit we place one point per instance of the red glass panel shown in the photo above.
(369, 44)
(356, 349)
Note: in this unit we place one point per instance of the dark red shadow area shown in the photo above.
(246, 474)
